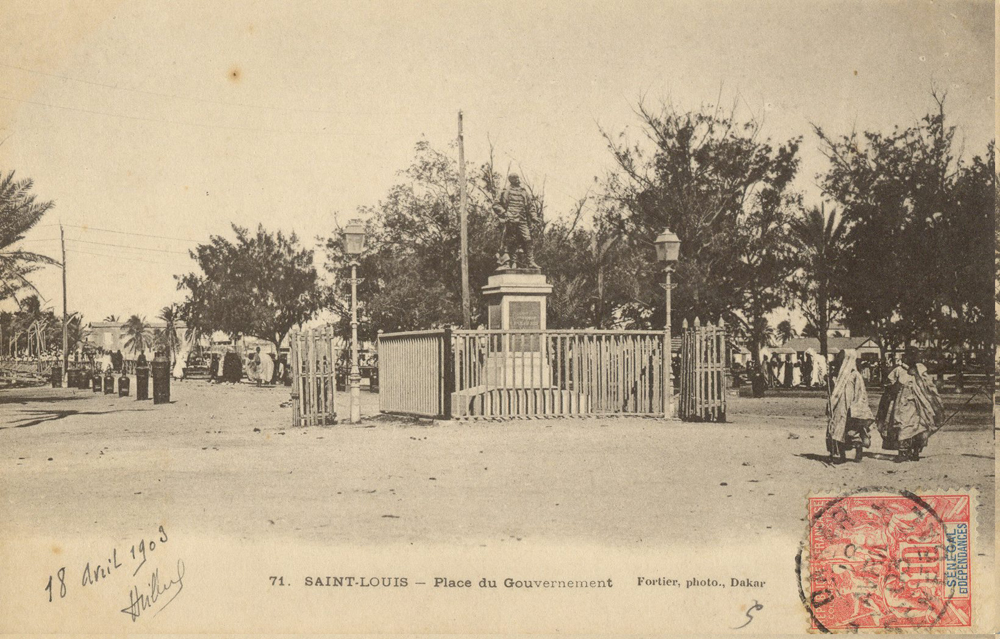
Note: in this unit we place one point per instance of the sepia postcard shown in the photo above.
(465, 318)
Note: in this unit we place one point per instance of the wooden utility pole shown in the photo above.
(65, 322)
(463, 221)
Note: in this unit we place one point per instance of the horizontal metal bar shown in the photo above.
(436, 332)
(484, 332)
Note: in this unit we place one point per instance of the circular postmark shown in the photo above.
(873, 559)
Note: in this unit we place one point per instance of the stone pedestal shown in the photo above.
(517, 301)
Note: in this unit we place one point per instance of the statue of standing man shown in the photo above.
(513, 209)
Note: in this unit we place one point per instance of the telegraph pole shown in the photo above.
(463, 221)
(65, 322)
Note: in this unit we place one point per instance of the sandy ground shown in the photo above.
(225, 460)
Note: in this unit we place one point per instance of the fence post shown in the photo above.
(448, 371)
(293, 354)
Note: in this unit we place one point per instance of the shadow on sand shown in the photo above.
(825, 458)
(41, 399)
(35, 417)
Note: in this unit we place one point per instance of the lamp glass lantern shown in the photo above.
(668, 247)
(354, 237)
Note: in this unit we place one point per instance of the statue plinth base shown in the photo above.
(517, 270)
(516, 299)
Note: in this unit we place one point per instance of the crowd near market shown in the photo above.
(882, 287)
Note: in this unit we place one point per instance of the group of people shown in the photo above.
(789, 371)
(259, 368)
(909, 412)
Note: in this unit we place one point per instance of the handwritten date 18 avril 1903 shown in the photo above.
(94, 572)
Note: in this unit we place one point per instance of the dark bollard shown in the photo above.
(109, 384)
(141, 383)
(161, 382)
(56, 377)
(123, 384)
(96, 381)
(84, 378)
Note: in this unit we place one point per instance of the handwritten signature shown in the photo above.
(749, 613)
(139, 602)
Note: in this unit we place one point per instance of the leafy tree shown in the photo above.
(964, 284)
(140, 337)
(262, 285)
(411, 270)
(819, 240)
(592, 271)
(19, 212)
(727, 194)
(916, 219)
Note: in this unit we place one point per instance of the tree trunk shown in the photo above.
(824, 323)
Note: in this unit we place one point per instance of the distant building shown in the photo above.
(110, 336)
(836, 329)
(799, 345)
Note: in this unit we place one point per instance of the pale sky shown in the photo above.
(174, 119)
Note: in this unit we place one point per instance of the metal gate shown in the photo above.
(703, 373)
(412, 373)
(313, 359)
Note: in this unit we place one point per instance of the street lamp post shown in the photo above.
(668, 247)
(354, 245)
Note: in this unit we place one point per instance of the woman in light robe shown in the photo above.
(911, 410)
(796, 371)
(265, 368)
(849, 414)
(819, 369)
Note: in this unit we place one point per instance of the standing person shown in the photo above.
(252, 367)
(106, 364)
(911, 409)
(796, 370)
(848, 413)
(776, 366)
(788, 372)
(265, 367)
(808, 368)
(213, 367)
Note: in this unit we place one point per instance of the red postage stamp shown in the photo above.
(888, 561)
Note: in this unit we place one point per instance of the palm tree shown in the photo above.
(19, 212)
(785, 331)
(139, 336)
(820, 240)
(75, 331)
(168, 335)
(809, 330)
(114, 319)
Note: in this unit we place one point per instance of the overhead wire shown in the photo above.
(159, 237)
(125, 246)
(129, 258)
